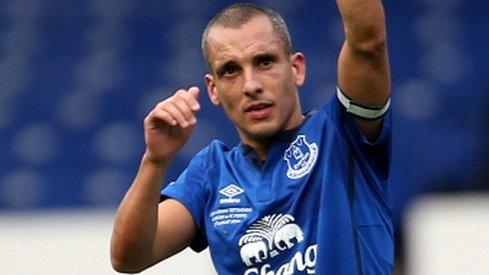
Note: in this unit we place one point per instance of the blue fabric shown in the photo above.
(319, 204)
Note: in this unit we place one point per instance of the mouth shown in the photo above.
(260, 110)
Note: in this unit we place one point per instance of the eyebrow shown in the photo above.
(260, 57)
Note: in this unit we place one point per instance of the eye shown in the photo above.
(265, 61)
(229, 70)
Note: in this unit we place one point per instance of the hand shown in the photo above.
(168, 126)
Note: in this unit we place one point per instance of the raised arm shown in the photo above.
(145, 230)
(363, 65)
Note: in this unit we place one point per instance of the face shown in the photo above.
(254, 80)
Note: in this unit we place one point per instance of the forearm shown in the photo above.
(364, 24)
(363, 65)
(137, 217)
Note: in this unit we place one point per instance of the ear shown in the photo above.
(211, 89)
(298, 61)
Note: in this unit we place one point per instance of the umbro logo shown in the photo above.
(230, 192)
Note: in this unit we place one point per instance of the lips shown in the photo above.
(259, 110)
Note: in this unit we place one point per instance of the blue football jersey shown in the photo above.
(319, 204)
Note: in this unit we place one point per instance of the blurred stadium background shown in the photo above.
(77, 78)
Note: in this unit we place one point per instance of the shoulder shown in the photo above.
(211, 155)
(332, 110)
(324, 119)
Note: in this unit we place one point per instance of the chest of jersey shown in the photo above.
(263, 218)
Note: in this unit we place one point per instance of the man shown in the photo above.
(300, 194)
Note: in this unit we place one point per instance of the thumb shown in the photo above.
(194, 92)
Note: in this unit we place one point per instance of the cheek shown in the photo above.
(229, 95)
(283, 77)
(228, 107)
(288, 96)
(288, 86)
(229, 104)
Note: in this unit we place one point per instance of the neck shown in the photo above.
(261, 145)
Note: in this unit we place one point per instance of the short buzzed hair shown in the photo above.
(236, 15)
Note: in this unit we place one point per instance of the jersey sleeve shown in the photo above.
(372, 155)
(189, 189)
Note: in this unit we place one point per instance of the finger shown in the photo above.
(190, 98)
(176, 114)
(194, 92)
(162, 115)
(181, 102)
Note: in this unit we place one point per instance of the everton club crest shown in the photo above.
(301, 157)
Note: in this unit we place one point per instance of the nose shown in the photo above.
(252, 84)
